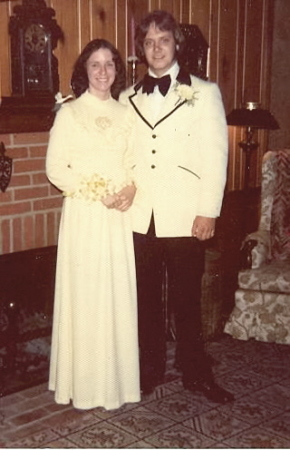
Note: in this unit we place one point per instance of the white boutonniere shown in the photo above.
(185, 92)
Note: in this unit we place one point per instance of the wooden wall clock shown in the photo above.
(34, 35)
(34, 69)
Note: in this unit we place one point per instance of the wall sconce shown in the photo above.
(133, 62)
(251, 116)
(5, 168)
(132, 59)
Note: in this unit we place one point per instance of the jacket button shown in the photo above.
(152, 167)
(153, 151)
(154, 136)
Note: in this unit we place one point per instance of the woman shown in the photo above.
(94, 357)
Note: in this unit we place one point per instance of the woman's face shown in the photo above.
(101, 71)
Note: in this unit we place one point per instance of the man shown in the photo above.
(180, 161)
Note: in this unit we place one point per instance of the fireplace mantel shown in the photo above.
(26, 115)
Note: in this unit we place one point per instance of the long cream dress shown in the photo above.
(94, 354)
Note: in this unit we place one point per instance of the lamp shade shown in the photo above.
(252, 116)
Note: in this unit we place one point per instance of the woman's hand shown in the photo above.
(112, 201)
(126, 196)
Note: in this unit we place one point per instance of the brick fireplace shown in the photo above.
(30, 206)
(29, 219)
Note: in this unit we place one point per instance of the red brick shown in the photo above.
(14, 209)
(26, 431)
(6, 139)
(20, 180)
(57, 223)
(6, 197)
(44, 399)
(29, 165)
(30, 138)
(48, 203)
(37, 151)
(17, 152)
(39, 178)
(28, 232)
(39, 231)
(54, 190)
(31, 193)
(28, 417)
(6, 237)
(58, 216)
(11, 399)
(51, 228)
(36, 391)
(17, 234)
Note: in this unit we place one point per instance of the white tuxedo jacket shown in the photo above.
(180, 159)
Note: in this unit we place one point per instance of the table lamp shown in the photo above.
(251, 116)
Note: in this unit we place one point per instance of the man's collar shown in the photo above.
(173, 71)
(182, 77)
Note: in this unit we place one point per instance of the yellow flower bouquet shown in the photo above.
(92, 188)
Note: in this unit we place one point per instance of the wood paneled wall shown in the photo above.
(239, 34)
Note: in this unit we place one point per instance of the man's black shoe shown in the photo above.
(149, 383)
(210, 389)
(147, 388)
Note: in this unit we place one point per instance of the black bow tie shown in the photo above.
(149, 84)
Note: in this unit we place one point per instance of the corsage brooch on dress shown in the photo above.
(103, 122)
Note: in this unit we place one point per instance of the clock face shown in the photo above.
(34, 68)
(35, 38)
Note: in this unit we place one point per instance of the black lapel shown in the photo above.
(171, 112)
(183, 77)
(138, 112)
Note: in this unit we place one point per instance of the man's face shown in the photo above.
(159, 49)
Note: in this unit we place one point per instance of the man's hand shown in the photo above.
(203, 227)
(126, 196)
